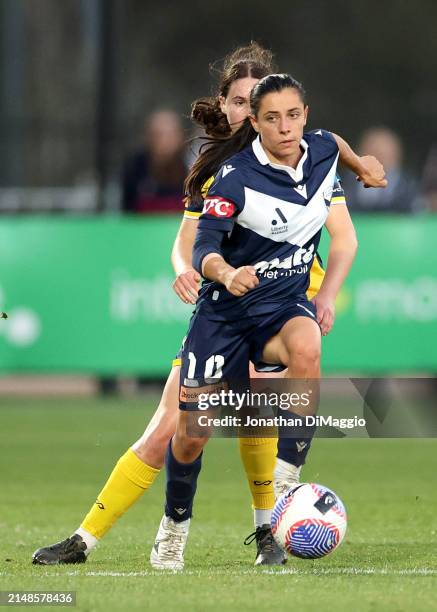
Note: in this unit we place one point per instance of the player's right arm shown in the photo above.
(224, 202)
(186, 284)
(237, 281)
(216, 222)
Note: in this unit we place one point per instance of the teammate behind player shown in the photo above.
(246, 310)
(137, 469)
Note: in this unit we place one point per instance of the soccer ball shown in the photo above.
(309, 521)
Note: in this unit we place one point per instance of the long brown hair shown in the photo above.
(250, 61)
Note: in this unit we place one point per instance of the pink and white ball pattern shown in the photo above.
(309, 521)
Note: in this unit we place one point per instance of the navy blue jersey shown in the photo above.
(269, 216)
(194, 206)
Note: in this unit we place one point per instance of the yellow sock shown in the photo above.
(128, 481)
(259, 458)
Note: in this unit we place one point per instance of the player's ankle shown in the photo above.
(287, 471)
(262, 516)
(90, 540)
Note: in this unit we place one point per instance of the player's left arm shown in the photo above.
(367, 168)
(342, 250)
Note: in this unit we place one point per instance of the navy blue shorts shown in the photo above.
(216, 354)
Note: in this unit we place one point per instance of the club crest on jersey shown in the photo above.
(218, 207)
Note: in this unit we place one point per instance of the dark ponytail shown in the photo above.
(250, 61)
(213, 155)
(207, 114)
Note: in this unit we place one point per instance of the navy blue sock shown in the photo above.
(293, 445)
(181, 486)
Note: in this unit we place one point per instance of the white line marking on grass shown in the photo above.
(333, 571)
(379, 571)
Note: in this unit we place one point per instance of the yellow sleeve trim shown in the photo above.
(206, 185)
(338, 200)
(176, 362)
(188, 214)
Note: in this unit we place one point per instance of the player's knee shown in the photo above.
(186, 447)
(304, 355)
(151, 448)
(190, 450)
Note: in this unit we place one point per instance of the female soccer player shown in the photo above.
(137, 469)
(254, 306)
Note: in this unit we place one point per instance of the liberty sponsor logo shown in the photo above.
(279, 224)
(218, 207)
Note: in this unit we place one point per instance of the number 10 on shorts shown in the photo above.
(213, 366)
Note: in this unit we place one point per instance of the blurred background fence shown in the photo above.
(78, 77)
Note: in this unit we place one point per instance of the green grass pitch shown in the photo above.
(56, 454)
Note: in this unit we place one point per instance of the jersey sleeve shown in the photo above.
(224, 200)
(338, 196)
(322, 141)
(194, 206)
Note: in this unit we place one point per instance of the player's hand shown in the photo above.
(186, 286)
(372, 174)
(239, 281)
(325, 308)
